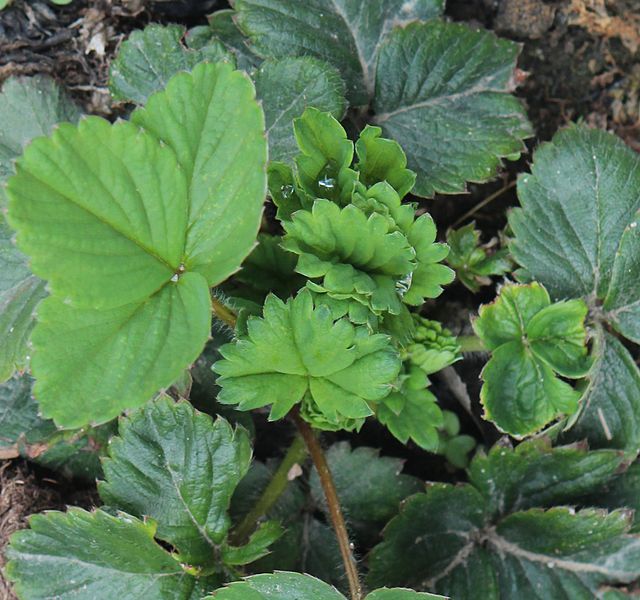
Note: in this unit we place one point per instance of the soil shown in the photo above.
(580, 60)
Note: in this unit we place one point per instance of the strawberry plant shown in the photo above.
(158, 323)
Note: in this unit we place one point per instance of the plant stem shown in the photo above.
(226, 315)
(471, 343)
(333, 504)
(484, 202)
(296, 453)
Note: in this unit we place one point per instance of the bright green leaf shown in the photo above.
(279, 586)
(110, 338)
(380, 159)
(531, 340)
(442, 90)
(92, 364)
(412, 412)
(86, 243)
(345, 33)
(355, 255)
(149, 58)
(287, 87)
(171, 452)
(95, 555)
(221, 148)
(295, 351)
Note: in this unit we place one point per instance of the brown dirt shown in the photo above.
(24, 492)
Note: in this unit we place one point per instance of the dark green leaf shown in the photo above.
(287, 87)
(171, 452)
(373, 497)
(610, 410)
(149, 58)
(461, 539)
(442, 90)
(345, 33)
(98, 556)
(28, 108)
(583, 191)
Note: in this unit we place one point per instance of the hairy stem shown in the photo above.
(296, 454)
(333, 504)
(471, 343)
(220, 311)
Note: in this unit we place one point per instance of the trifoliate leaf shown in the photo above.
(96, 555)
(149, 58)
(295, 350)
(501, 533)
(581, 195)
(442, 89)
(380, 159)
(531, 340)
(28, 108)
(286, 88)
(610, 409)
(290, 586)
(346, 34)
(110, 338)
(356, 256)
(473, 261)
(372, 498)
(169, 451)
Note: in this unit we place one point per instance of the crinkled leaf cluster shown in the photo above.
(368, 251)
(532, 341)
(298, 353)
